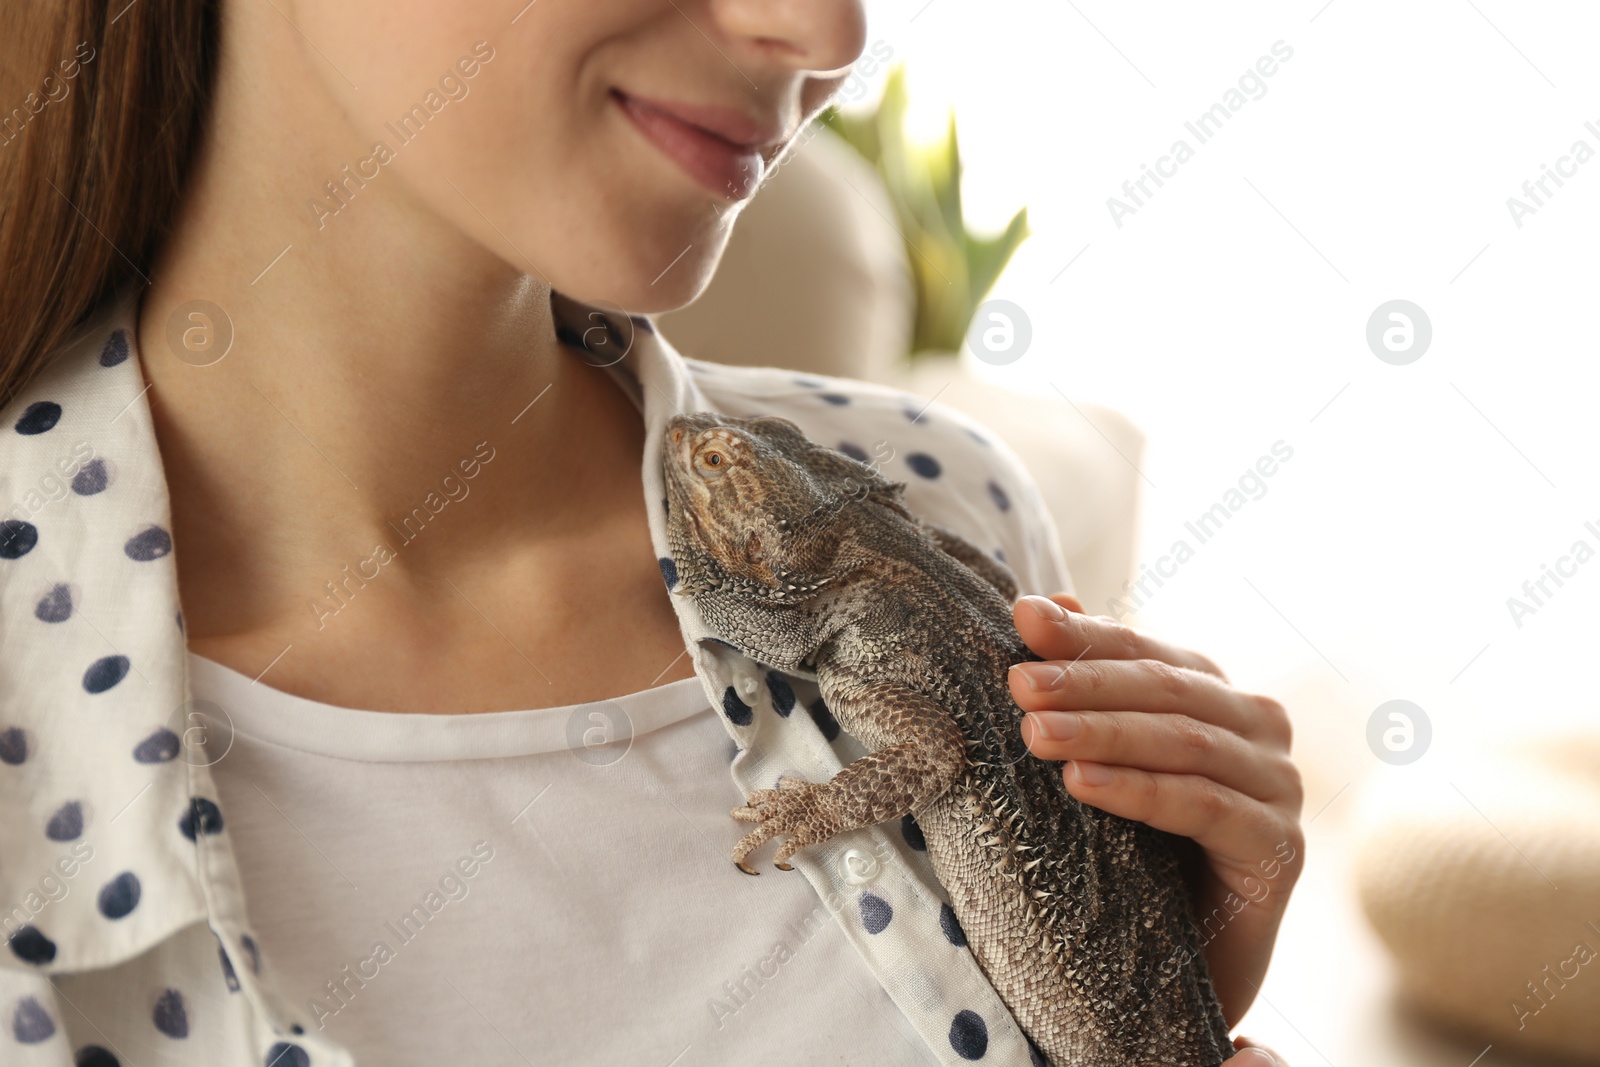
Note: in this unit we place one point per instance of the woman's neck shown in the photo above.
(377, 355)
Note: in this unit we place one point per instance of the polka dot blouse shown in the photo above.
(127, 940)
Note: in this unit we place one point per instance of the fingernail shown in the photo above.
(1092, 773)
(1045, 608)
(1257, 1054)
(1055, 725)
(1041, 676)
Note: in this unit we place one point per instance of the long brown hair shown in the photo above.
(102, 106)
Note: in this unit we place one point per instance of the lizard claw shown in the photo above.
(740, 864)
(795, 808)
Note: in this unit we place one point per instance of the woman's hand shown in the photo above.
(1155, 733)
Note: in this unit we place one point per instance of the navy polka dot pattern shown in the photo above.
(105, 672)
(202, 816)
(13, 746)
(119, 896)
(171, 1015)
(969, 1036)
(91, 479)
(30, 1023)
(252, 953)
(150, 543)
(105, 542)
(17, 538)
(951, 926)
(924, 464)
(115, 351)
(230, 977)
(823, 718)
(738, 712)
(54, 606)
(782, 693)
(875, 913)
(159, 747)
(285, 1054)
(67, 822)
(30, 945)
(39, 417)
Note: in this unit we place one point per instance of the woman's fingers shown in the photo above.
(1147, 685)
(1054, 632)
(1223, 821)
(1253, 1054)
(1170, 744)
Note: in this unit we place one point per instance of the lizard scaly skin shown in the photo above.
(811, 562)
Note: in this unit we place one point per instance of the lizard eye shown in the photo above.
(710, 462)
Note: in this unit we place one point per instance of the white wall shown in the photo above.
(1230, 313)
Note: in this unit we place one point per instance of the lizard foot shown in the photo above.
(795, 808)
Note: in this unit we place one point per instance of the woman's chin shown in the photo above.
(654, 280)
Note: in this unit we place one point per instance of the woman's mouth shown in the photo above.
(705, 148)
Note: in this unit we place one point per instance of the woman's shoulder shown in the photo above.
(957, 472)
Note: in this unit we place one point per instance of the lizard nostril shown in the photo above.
(677, 435)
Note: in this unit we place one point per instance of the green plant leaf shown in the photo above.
(988, 256)
(943, 163)
(859, 131)
(952, 269)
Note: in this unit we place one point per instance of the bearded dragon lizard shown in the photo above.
(810, 562)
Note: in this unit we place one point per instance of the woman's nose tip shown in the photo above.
(814, 35)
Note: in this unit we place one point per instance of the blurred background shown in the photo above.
(1326, 387)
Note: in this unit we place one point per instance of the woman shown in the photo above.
(333, 581)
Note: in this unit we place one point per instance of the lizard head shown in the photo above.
(758, 508)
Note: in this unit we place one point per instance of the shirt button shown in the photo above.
(858, 866)
(746, 683)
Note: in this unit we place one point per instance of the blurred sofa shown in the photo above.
(816, 279)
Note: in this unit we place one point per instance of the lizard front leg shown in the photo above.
(921, 752)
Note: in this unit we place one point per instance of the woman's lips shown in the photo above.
(722, 166)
